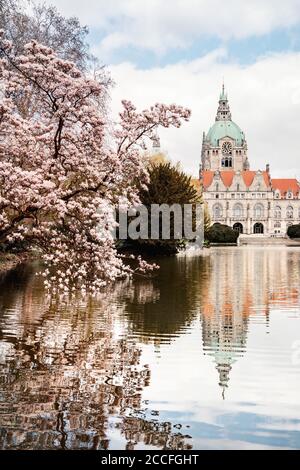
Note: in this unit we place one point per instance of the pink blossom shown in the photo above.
(62, 160)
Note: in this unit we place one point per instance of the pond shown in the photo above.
(204, 356)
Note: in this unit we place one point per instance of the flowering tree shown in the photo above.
(62, 164)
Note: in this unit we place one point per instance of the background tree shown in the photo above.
(24, 20)
(63, 165)
(167, 185)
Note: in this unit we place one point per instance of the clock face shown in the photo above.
(227, 148)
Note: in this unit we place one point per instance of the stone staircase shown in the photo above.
(262, 240)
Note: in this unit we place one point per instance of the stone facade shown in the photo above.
(249, 201)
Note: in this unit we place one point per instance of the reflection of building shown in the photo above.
(249, 201)
(234, 296)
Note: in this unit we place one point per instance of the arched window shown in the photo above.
(277, 212)
(217, 186)
(290, 212)
(227, 162)
(217, 211)
(258, 211)
(238, 211)
(277, 225)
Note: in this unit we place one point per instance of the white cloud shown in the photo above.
(264, 99)
(159, 25)
(264, 96)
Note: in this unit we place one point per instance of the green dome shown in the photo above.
(222, 129)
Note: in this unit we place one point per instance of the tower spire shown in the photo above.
(223, 113)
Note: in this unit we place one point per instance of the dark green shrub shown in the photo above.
(294, 231)
(219, 233)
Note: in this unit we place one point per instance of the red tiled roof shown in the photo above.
(227, 177)
(285, 185)
(207, 178)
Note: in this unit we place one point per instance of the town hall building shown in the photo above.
(249, 201)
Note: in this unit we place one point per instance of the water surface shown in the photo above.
(205, 356)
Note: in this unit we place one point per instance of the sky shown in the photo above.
(179, 51)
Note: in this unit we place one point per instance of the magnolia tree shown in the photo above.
(63, 164)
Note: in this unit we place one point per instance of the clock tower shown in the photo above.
(225, 146)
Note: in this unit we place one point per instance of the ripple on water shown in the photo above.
(203, 356)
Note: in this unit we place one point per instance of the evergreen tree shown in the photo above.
(167, 185)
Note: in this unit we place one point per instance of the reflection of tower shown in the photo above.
(234, 294)
(224, 337)
(223, 370)
(225, 313)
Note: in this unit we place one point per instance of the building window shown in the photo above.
(217, 211)
(277, 212)
(290, 213)
(277, 225)
(290, 195)
(232, 195)
(277, 195)
(258, 211)
(238, 211)
(227, 162)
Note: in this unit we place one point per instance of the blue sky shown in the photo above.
(180, 50)
(244, 50)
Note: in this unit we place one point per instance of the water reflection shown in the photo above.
(250, 283)
(65, 371)
(130, 370)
